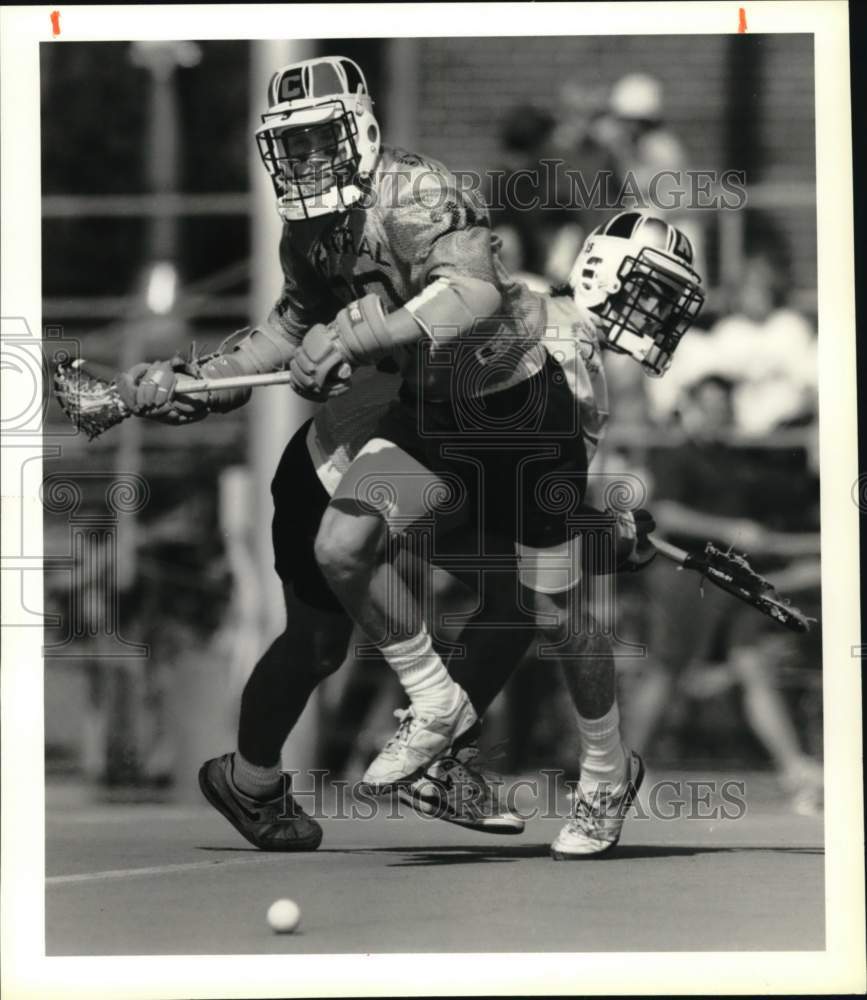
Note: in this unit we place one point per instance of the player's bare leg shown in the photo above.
(353, 552)
(610, 774)
(455, 786)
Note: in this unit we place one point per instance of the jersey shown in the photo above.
(416, 225)
(580, 356)
(346, 422)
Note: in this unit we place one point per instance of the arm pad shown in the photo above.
(449, 307)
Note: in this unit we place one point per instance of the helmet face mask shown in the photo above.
(319, 139)
(650, 313)
(306, 162)
(635, 272)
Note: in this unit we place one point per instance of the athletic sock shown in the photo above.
(603, 760)
(423, 675)
(256, 782)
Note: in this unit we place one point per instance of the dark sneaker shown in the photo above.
(278, 824)
(596, 823)
(453, 790)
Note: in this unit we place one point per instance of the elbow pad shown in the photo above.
(449, 307)
(259, 352)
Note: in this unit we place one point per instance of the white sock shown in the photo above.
(257, 782)
(603, 761)
(423, 675)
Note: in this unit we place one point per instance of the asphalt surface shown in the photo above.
(172, 880)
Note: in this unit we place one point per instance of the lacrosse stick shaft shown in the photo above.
(670, 551)
(778, 543)
(192, 386)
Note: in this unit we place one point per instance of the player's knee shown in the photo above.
(337, 548)
(345, 545)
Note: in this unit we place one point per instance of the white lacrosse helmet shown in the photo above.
(636, 272)
(319, 139)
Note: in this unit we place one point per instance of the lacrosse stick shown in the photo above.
(731, 572)
(93, 403)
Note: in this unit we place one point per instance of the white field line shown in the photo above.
(121, 873)
(112, 814)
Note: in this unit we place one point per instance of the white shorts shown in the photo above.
(550, 571)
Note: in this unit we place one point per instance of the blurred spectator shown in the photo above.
(546, 150)
(580, 154)
(774, 346)
(525, 134)
(635, 133)
(648, 156)
(703, 490)
(764, 347)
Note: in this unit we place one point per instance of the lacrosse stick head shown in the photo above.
(729, 567)
(91, 403)
(732, 572)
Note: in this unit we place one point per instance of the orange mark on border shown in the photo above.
(742, 21)
(55, 22)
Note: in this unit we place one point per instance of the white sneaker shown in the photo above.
(595, 827)
(455, 790)
(419, 740)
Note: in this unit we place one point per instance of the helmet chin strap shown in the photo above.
(629, 342)
(639, 348)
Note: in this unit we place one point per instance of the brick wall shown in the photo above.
(467, 85)
(788, 141)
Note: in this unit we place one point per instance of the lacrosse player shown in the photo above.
(635, 272)
(358, 216)
(361, 216)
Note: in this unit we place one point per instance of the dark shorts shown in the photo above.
(300, 500)
(511, 464)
